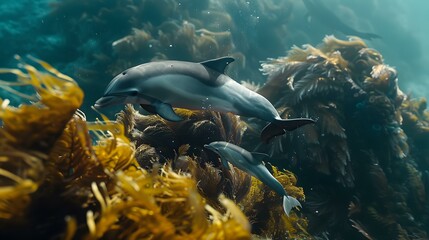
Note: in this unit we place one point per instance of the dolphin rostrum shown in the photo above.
(322, 14)
(253, 165)
(159, 86)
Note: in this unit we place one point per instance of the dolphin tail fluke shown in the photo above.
(289, 203)
(279, 126)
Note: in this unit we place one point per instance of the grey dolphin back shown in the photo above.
(210, 72)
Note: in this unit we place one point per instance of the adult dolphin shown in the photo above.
(253, 165)
(159, 86)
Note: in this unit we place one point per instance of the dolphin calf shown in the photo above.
(252, 164)
(320, 12)
(159, 86)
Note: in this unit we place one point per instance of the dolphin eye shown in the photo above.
(124, 72)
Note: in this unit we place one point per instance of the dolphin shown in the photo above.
(252, 164)
(159, 86)
(320, 12)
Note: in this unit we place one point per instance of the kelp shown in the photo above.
(159, 141)
(368, 146)
(314, 82)
(21, 173)
(415, 123)
(65, 183)
(161, 206)
(30, 126)
(29, 131)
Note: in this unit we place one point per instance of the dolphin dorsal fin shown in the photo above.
(257, 158)
(218, 64)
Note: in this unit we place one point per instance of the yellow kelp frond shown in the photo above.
(331, 43)
(37, 126)
(127, 118)
(161, 206)
(80, 162)
(264, 207)
(301, 54)
(73, 148)
(232, 225)
(331, 58)
(288, 180)
(416, 118)
(311, 54)
(20, 175)
(114, 150)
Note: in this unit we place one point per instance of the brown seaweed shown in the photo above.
(74, 188)
(365, 158)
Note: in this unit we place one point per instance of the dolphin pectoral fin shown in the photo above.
(257, 158)
(218, 64)
(166, 111)
(289, 203)
(280, 126)
(149, 108)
